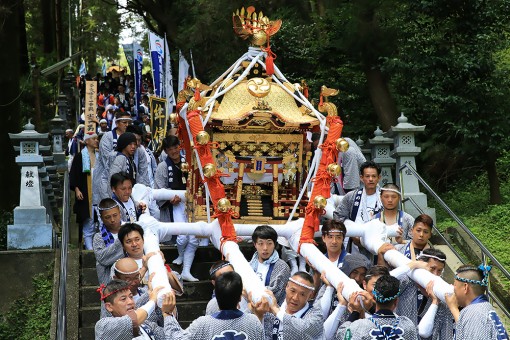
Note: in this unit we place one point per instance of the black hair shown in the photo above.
(107, 203)
(264, 232)
(170, 141)
(369, 164)
(330, 225)
(116, 286)
(475, 274)
(304, 276)
(228, 289)
(136, 129)
(387, 289)
(127, 228)
(376, 270)
(425, 219)
(120, 113)
(432, 252)
(216, 266)
(119, 178)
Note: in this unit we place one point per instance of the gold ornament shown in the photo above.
(320, 202)
(224, 205)
(258, 87)
(184, 167)
(203, 138)
(173, 118)
(334, 169)
(342, 145)
(209, 170)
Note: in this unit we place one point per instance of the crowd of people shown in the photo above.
(301, 303)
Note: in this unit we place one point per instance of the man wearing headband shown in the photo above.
(107, 246)
(296, 318)
(478, 319)
(80, 181)
(103, 126)
(127, 321)
(384, 323)
(228, 323)
(391, 214)
(361, 205)
(421, 233)
(414, 300)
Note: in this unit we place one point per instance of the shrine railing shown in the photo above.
(485, 253)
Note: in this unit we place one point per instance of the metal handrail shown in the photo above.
(61, 311)
(459, 256)
(458, 220)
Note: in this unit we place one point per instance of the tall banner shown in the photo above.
(157, 56)
(157, 107)
(90, 106)
(169, 83)
(128, 52)
(138, 65)
(183, 71)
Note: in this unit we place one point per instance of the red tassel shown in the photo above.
(321, 101)
(197, 94)
(269, 64)
(305, 92)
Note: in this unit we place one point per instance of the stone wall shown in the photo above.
(16, 271)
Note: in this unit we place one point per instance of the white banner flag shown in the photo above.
(157, 56)
(169, 83)
(183, 71)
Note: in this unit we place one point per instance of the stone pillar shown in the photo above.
(405, 151)
(31, 228)
(381, 155)
(365, 151)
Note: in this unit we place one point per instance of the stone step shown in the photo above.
(203, 254)
(188, 310)
(193, 291)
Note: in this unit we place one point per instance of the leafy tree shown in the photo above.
(448, 77)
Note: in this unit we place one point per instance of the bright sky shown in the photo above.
(127, 33)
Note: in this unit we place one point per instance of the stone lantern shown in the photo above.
(382, 156)
(404, 152)
(364, 150)
(31, 228)
(57, 134)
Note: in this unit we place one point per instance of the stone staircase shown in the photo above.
(191, 304)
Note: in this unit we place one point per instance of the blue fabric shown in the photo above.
(228, 314)
(106, 235)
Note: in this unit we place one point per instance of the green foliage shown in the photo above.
(29, 318)
(6, 218)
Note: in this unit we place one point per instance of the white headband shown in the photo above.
(431, 257)
(301, 284)
(124, 118)
(124, 273)
(393, 190)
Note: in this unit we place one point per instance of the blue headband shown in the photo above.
(381, 299)
(484, 282)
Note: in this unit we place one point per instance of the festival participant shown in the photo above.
(266, 262)
(126, 322)
(437, 323)
(228, 323)
(333, 233)
(350, 161)
(80, 181)
(170, 176)
(106, 245)
(384, 323)
(107, 154)
(296, 318)
(421, 233)
(218, 268)
(122, 187)
(414, 300)
(103, 126)
(478, 319)
(391, 214)
(124, 161)
(361, 205)
(355, 266)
